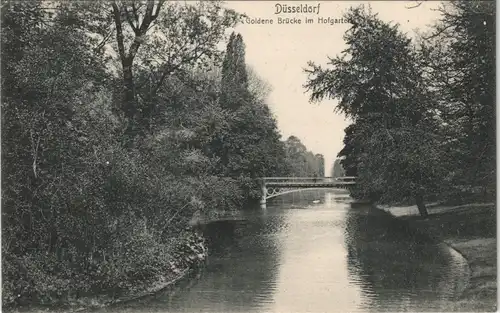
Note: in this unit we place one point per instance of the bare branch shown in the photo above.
(439, 32)
(419, 3)
(149, 18)
(104, 40)
(129, 19)
(158, 7)
(134, 10)
(119, 30)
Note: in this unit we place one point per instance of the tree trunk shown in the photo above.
(129, 90)
(129, 99)
(421, 205)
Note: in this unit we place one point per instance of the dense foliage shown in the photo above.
(423, 112)
(122, 122)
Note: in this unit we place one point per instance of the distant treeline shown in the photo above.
(302, 162)
(423, 109)
(337, 169)
(120, 122)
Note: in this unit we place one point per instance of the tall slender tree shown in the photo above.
(234, 83)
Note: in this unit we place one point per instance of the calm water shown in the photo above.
(323, 257)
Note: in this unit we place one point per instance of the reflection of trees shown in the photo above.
(240, 273)
(242, 266)
(391, 265)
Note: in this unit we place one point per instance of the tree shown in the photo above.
(458, 58)
(139, 28)
(57, 132)
(321, 165)
(301, 161)
(173, 37)
(350, 153)
(250, 144)
(257, 86)
(337, 169)
(47, 83)
(380, 86)
(234, 83)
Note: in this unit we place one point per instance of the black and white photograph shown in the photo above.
(181, 156)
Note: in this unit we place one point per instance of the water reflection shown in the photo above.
(240, 274)
(241, 270)
(313, 269)
(305, 255)
(397, 269)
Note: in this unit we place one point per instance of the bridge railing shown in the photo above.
(310, 179)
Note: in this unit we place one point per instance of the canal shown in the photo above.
(316, 252)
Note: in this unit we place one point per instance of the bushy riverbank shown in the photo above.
(187, 254)
(470, 229)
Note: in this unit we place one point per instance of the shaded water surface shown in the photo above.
(323, 257)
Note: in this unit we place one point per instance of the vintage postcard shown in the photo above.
(248, 156)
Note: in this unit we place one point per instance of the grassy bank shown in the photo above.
(470, 229)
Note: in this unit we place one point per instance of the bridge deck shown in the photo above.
(309, 184)
(310, 178)
(304, 182)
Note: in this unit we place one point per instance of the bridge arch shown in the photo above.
(276, 186)
(284, 191)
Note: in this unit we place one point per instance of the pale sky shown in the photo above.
(278, 53)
